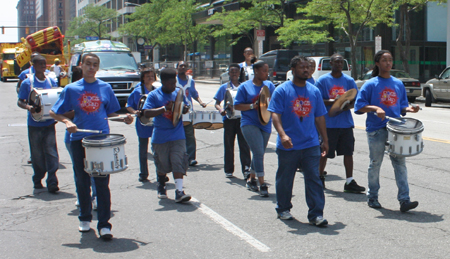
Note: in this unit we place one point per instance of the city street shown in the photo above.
(224, 219)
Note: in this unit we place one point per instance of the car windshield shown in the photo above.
(117, 61)
(399, 74)
(8, 56)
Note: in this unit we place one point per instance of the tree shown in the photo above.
(351, 16)
(305, 30)
(258, 14)
(94, 22)
(405, 7)
(167, 22)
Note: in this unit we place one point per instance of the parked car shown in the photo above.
(323, 67)
(224, 77)
(278, 61)
(437, 89)
(412, 85)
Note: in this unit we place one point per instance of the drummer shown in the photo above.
(381, 96)
(148, 77)
(186, 83)
(41, 135)
(232, 128)
(168, 141)
(340, 127)
(256, 134)
(92, 100)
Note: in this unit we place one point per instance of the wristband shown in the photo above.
(251, 106)
(164, 108)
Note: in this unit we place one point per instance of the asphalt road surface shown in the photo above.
(224, 219)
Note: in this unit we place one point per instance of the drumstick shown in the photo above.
(119, 117)
(391, 119)
(89, 131)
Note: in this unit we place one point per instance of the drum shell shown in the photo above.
(216, 121)
(201, 119)
(407, 142)
(187, 118)
(104, 157)
(47, 98)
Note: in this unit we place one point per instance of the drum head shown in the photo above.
(264, 99)
(103, 140)
(35, 99)
(177, 108)
(344, 103)
(408, 126)
(142, 119)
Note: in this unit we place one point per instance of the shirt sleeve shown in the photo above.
(24, 90)
(220, 94)
(362, 98)
(113, 104)
(62, 105)
(150, 101)
(321, 110)
(192, 91)
(131, 102)
(241, 95)
(277, 102)
(323, 89)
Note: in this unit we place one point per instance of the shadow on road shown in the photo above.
(205, 167)
(43, 194)
(90, 240)
(300, 228)
(411, 216)
(353, 197)
(169, 204)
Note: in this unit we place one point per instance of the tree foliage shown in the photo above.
(260, 13)
(94, 22)
(166, 22)
(350, 16)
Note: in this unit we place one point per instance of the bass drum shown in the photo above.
(142, 119)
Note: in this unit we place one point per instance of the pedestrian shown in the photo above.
(57, 69)
(41, 134)
(247, 72)
(298, 116)
(168, 141)
(187, 84)
(312, 69)
(381, 96)
(148, 77)
(341, 140)
(256, 134)
(92, 100)
(232, 128)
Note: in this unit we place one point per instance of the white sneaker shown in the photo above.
(319, 221)
(77, 203)
(105, 233)
(94, 203)
(85, 226)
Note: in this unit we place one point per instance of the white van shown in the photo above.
(323, 66)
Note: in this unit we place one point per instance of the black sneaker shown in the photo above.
(38, 186)
(143, 179)
(193, 162)
(53, 188)
(374, 204)
(322, 178)
(353, 187)
(162, 192)
(252, 185)
(264, 190)
(408, 205)
(180, 196)
(246, 174)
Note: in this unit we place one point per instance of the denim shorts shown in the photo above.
(340, 141)
(171, 157)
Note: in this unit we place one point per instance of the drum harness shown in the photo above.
(184, 88)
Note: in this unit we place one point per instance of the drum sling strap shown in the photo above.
(184, 88)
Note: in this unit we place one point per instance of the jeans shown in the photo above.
(257, 139)
(191, 146)
(143, 150)
(231, 129)
(44, 153)
(83, 184)
(377, 140)
(288, 162)
(94, 191)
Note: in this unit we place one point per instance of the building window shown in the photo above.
(113, 4)
(119, 4)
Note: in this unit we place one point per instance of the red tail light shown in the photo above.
(319, 67)
(274, 74)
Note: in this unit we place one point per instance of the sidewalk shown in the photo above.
(207, 80)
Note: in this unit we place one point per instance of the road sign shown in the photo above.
(92, 38)
(377, 44)
(148, 47)
(260, 35)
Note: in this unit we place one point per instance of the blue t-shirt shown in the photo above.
(23, 75)
(298, 107)
(24, 92)
(163, 129)
(330, 88)
(248, 93)
(92, 102)
(133, 102)
(220, 95)
(311, 80)
(190, 92)
(387, 93)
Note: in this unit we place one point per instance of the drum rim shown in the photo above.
(86, 142)
(407, 131)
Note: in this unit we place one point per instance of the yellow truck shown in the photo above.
(8, 53)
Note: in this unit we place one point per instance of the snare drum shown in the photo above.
(105, 154)
(405, 139)
(43, 100)
(142, 119)
(201, 119)
(216, 121)
(229, 104)
(187, 118)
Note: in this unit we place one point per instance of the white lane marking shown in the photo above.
(230, 227)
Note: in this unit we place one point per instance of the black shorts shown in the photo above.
(340, 141)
